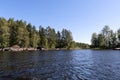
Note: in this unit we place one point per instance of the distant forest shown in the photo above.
(106, 39)
(18, 32)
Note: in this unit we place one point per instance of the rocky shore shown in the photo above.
(18, 49)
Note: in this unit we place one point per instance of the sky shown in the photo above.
(81, 17)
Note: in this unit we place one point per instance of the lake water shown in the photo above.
(60, 65)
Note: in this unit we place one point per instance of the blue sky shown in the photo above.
(82, 17)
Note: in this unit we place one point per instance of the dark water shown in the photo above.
(60, 65)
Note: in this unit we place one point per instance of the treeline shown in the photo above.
(82, 45)
(26, 35)
(106, 39)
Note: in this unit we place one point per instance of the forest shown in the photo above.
(106, 39)
(19, 32)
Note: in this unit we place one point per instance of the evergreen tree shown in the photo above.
(4, 33)
(51, 37)
(106, 39)
(106, 33)
(25, 35)
(22, 34)
(66, 39)
(43, 38)
(58, 39)
(35, 38)
(29, 28)
(118, 36)
(13, 31)
(101, 42)
(94, 40)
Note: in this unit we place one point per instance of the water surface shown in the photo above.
(60, 65)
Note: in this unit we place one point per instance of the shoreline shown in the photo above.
(35, 49)
(105, 48)
(50, 49)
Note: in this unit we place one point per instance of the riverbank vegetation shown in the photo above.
(18, 32)
(106, 39)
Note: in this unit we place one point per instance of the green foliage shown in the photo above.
(25, 35)
(66, 39)
(51, 34)
(43, 37)
(22, 34)
(101, 42)
(33, 36)
(118, 35)
(106, 39)
(58, 39)
(13, 31)
(82, 45)
(94, 40)
(4, 33)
